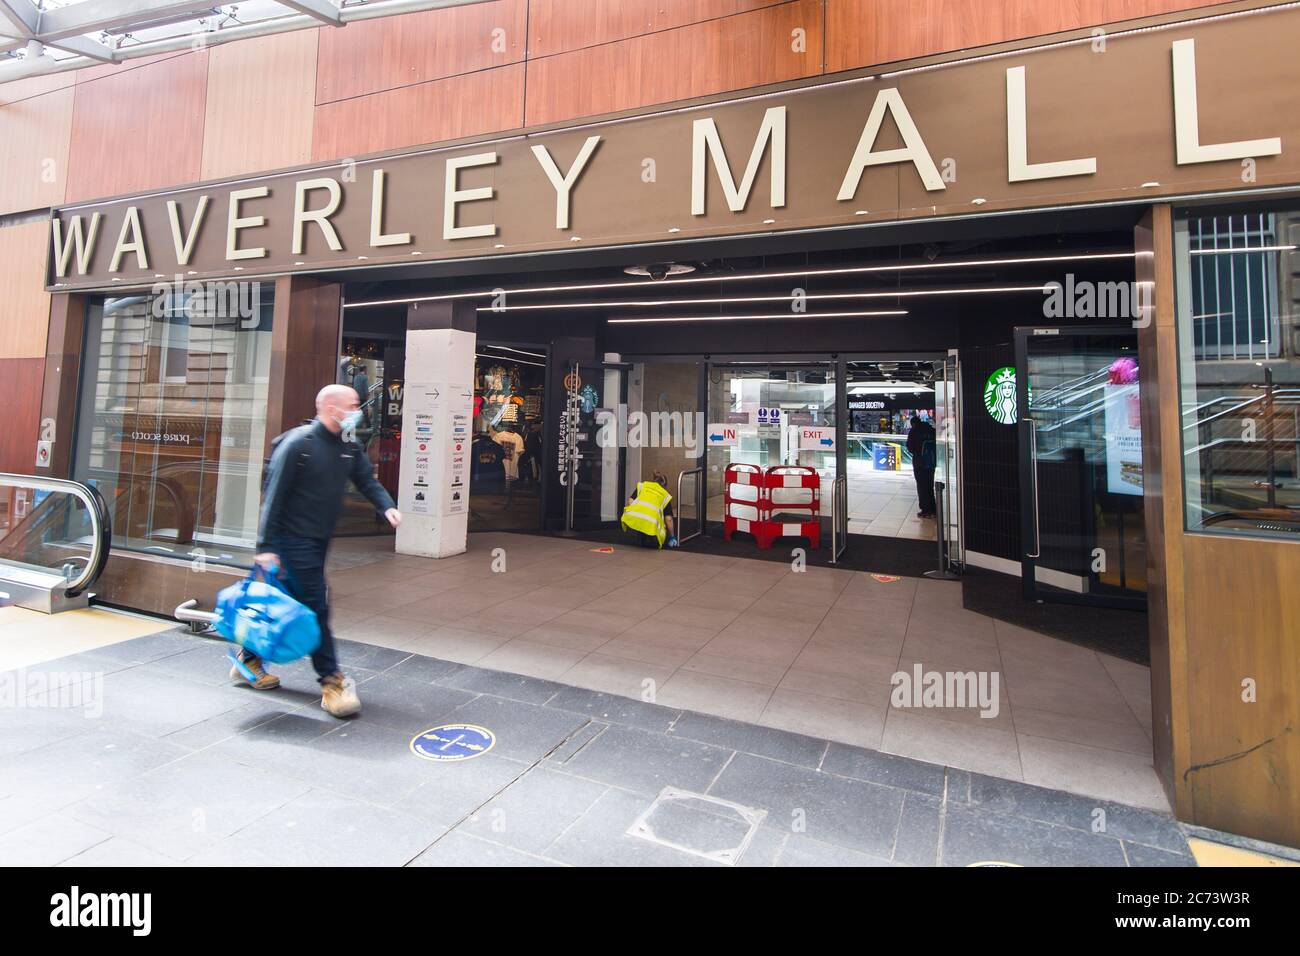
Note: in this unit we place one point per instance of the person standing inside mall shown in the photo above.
(921, 445)
(306, 480)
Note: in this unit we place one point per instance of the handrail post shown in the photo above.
(944, 572)
(698, 473)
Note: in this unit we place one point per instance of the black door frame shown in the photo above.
(1030, 541)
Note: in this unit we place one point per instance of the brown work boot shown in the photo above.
(339, 695)
(262, 679)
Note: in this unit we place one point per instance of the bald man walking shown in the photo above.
(306, 479)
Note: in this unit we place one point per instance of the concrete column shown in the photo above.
(437, 410)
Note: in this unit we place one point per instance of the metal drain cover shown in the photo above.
(698, 824)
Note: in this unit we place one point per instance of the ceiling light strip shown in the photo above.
(751, 277)
(801, 316)
(650, 303)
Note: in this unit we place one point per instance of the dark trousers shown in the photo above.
(303, 560)
(924, 489)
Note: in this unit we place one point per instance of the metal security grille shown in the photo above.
(1234, 283)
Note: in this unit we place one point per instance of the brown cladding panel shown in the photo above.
(304, 349)
(1243, 622)
(383, 54)
(557, 26)
(22, 400)
(34, 135)
(868, 32)
(259, 104)
(24, 307)
(750, 49)
(488, 101)
(139, 129)
(17, 90)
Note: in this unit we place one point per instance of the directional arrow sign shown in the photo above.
(721, 436)
(817, 439)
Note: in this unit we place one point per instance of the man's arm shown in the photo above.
(281, 472)
(363, 478)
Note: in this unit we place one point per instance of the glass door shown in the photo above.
(783, 414)
(1083, 535)
(594, 393)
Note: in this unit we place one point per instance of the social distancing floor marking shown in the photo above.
(1218, 854)
(452, 742)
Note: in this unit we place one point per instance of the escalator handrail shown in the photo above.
(100, 521)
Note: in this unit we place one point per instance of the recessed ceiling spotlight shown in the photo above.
(660, 270)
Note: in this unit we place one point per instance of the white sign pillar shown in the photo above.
(437, 411)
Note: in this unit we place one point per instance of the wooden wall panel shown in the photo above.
(24, 305)
(304, 349)
(139, 129)
(1243, 621)
(35, 86)
(867, 32)
(485, 102)
(259, 104)
(750, 49)
(383, 54)
(22, 390)
(557, 26)
(34, 137)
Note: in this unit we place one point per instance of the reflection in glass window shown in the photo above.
(173, 416)
(1239, 353)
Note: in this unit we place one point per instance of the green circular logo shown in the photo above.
(1000, 395)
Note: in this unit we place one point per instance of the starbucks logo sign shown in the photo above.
(1000, 395)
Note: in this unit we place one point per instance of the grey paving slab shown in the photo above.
(260, 708)
(60, 773)
(206, 663)
(1082, 813)
(326, 829)
(849, 813)
(613, 709)
(636, 760)
(917, 840)
(600, 837)
(800, 850)
(1141, 855)
(366, 761)
(422, 670)
(452, 791)
(888, 769)
(530, 690)
(187, 805)
(750, 738)
(411, 706)
(354, 654)
(48, 840)
(29, 725)
(151, 647)
(118, 852)
(157, 706)
(534, 810)
(576, 741)
(694, 824)
(974, 836)
(524, 731)
(461, 849)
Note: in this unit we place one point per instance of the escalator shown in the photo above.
(55, 538)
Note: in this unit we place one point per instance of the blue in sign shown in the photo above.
(453, 742)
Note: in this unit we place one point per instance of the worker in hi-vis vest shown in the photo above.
(649, 513)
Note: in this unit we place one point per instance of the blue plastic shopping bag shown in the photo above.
(259, 615)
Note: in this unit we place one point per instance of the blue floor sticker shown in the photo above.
(453, 742)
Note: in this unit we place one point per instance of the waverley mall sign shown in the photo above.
(1185, 109)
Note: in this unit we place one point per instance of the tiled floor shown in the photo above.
(30, 637)
(811, 652)
(884, 503)
(173, 764)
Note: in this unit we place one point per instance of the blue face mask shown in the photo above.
(351, 420)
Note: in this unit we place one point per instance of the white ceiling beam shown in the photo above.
(24, 17)
(322, 10)
(85, 46)
(93, 16)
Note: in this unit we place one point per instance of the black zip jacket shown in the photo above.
(306, 480)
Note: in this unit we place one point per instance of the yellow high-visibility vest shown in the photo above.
(646, 512)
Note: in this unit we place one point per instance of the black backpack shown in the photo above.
(304, 452)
